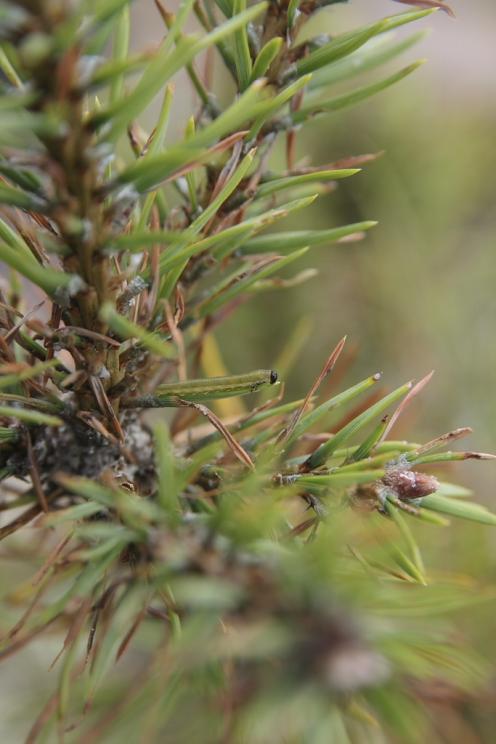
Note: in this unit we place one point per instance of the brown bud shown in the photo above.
(407, 485)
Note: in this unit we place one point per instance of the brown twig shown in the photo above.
(326, 370)
(234, 446)
(35, 474)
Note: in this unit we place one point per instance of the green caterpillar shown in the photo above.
(196, 391)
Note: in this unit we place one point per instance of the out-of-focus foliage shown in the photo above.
(261, 582)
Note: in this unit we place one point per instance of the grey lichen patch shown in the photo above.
(77, 449)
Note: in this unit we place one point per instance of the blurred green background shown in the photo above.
(419, 292)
